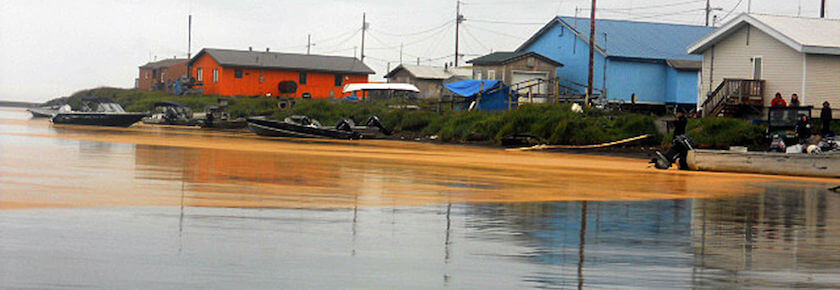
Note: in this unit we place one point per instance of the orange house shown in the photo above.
(256, 73)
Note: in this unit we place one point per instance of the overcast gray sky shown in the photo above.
(53, 48)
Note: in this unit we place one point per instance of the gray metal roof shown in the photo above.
(290, 61)
(431, 72)
(163, 63)
(503, 57)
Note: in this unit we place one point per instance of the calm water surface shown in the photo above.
(184, 208)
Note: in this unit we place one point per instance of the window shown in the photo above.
(237, 73)
(491, 74)
(199, 74)
(146, 75)
(757, 66)
(339, 80)
(302, 78)
(477, 75)
(215, 75)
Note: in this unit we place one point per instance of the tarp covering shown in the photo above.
(493, 96)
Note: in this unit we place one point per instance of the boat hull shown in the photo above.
(42, 113)
(823, 165)
(98, 119)
(283, 129)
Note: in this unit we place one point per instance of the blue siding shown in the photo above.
(687, 91)
(565, 47)
(647, 80)
(652, 80)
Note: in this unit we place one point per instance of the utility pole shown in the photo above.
(749, 6)
(189, 36)
(308, 43)
(364, 27)
(708, 10)
(401, 48)
(189, 46)
(418, 61)
(589, 88)
(458, 19)
(822, 9)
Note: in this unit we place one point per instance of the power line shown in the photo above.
(647, 7)
(418, 32)
(733, 10)
(497, 32)
(504, 22)
(466, 31)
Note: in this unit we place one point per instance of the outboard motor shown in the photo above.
(829, 144)
(682, 144)
(778, 144)
(345, 125)
(373, 121)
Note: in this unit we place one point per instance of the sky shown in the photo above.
(54, 48)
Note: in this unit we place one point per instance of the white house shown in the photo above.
(754, 56)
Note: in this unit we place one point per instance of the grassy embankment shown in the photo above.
(553, 124)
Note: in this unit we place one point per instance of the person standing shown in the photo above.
(679, 125)
(803, 129)
(825, 117)
(794, 100)
(778, 101)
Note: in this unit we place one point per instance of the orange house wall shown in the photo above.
(318, 84)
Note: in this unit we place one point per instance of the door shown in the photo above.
(524, 79)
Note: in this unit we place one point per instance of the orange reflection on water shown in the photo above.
(63, 166)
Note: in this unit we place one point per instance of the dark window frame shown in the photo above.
(339, 80)
(303, 78)
(238, 73)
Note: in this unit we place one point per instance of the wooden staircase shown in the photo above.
(732, 96)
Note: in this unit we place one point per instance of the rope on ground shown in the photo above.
(602, 145)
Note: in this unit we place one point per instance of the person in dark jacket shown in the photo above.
(825, 117)
(803, 129)
(679, 125)
(794, 100)
(778, 101)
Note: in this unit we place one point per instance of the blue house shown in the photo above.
(647, 59)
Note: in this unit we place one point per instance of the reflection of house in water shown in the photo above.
(784, 229)
(206, 166)
(273, 179)
(618, 242)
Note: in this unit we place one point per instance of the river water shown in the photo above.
(151, 207)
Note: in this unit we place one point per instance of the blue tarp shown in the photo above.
(493, 96)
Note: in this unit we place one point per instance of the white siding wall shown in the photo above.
(822, 81)
(733, 59)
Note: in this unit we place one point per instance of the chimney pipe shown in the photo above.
(266, 49)
(250, 48)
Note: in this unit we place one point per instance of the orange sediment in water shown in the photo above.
(92, 167)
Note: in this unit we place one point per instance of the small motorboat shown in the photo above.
(171, 113)
(44, 111)
(98, 112)
(299, 127)
(217, 117)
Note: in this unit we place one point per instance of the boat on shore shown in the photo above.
(796, 164)
(217, 117)
(298, 127)
(171, 113)
(44, 112)
(98, 112)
